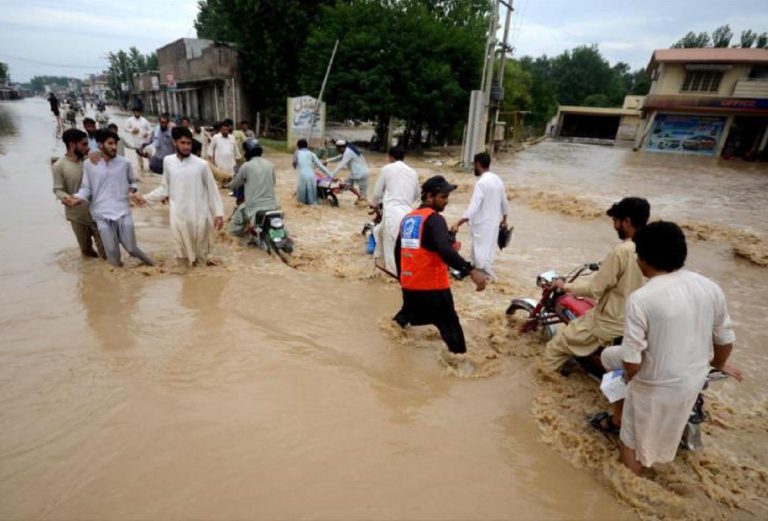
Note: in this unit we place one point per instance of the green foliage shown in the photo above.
(123, 65)
(721, 37)
(38, 83)
(692, 40)
(577, 77)
(270, 35)
(415, 60)
(596, 100)
(747, 39)
(4, 76)
(518, 85)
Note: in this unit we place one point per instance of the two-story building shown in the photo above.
(711, 102)
(201, 79)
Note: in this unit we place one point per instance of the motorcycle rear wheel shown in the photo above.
(526, 309)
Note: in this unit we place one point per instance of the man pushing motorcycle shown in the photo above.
(618, 276)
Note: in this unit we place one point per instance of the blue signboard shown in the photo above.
(683, 134)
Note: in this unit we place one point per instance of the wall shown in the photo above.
(211, 61)
(672, 76)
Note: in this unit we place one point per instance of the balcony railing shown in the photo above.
(750, 88)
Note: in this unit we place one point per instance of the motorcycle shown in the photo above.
(556, 306)
(268, 233)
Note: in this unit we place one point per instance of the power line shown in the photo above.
(37, 62)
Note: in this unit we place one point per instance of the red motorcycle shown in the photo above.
(555, 306)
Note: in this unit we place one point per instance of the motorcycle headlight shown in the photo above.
(277, 222)
(545, 279)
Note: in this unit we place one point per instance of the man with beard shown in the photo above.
(162, 144)
(107, 185)
(138, 130)
(195, 203)
(423, 252)
(487, 211)
(618, 276)
(89, 125)
(67, 178)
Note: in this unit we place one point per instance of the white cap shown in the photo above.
(341, 143)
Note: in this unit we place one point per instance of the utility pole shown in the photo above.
(477, 120)
(320, 96)
(496, 92)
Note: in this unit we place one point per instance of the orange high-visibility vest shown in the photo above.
(420, 269)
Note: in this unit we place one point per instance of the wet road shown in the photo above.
(253, 390)
(248, 391)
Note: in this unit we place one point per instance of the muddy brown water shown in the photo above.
(257, 390)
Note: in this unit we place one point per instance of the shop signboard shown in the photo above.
(686, 134)
(300, 113)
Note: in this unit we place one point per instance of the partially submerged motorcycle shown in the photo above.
(268, 232)
(556, 306)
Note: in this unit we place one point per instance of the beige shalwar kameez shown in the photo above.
(618, 276)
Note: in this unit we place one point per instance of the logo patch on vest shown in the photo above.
(409, 232)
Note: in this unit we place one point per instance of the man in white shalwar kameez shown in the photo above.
(397, 190)
(195, 203)
(487, 210)
(671, 326)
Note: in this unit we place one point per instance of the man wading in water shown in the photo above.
(422, 250)
(107, 185)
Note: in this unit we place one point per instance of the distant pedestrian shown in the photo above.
(89, 125)
(54, 101)
(351, 157)
(112, 127)
(223, 151)
(139, 130)
(305, 161)
(67, 178)
(162, 144)
(200, 135)
(102, 118)
(487, 211)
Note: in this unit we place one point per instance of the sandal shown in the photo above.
(602, 422)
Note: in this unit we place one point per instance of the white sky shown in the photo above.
(71, 37)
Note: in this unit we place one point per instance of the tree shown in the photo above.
(39, 83)
(762, 41)
(271, 36)
(123, 65)
(747, 39)
(692, 40)
(518, 86)
(721, 37)
(4, 76)
(415, 60)
(583, 71)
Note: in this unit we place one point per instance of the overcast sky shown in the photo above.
(71, 37)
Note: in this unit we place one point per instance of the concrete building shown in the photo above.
(146, 89)
(710, 102)
(602, 125)
(96, 86)
(201, 79)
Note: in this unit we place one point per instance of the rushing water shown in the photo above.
(253, 390)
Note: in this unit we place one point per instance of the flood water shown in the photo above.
(257, 390)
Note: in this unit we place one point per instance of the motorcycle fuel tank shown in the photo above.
(576, 305)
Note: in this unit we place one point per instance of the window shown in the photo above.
(702, 81)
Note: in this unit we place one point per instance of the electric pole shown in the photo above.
(496, 89)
